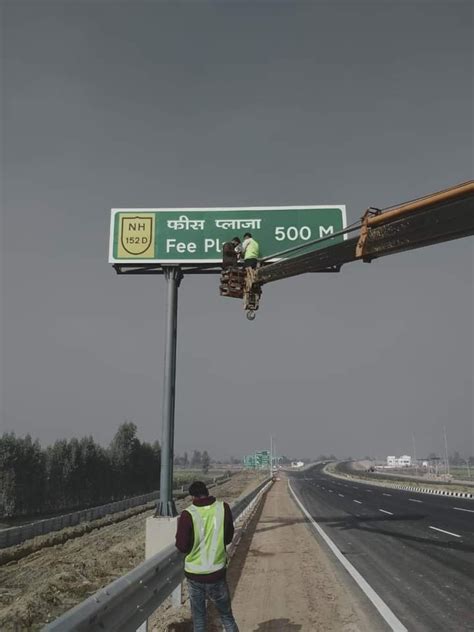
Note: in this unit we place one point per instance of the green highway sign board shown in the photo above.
(249, 462)
(262, 459)
(196, 235)
(259, 460)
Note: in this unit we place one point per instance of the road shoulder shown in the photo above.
(283, 579)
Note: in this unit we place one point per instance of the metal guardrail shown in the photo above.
(17, 535)
(128, 601)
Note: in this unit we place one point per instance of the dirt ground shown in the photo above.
(38, 588)
(281, 580)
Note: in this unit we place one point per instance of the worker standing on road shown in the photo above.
(250, 251)
(205, 528)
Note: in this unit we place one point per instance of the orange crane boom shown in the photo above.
(433, 219)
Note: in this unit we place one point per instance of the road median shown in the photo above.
(420, 487)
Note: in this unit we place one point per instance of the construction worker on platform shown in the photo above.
(229, 253)
(249, 251)
(205, 528)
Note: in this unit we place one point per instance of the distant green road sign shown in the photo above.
(249, 462)
(259, 460)
(196, 235)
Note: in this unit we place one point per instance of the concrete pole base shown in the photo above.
(160, 533)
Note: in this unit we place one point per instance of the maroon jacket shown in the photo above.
(185, 537)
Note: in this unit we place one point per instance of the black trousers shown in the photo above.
(250, 263)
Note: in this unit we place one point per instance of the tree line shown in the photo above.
(74, 473)
(199, 460)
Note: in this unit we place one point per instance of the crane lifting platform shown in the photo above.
(178, 242)
(432, 219)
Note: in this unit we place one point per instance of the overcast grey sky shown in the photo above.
(151, 104)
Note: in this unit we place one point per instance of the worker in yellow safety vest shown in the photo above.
(204, 530)
(249, 251)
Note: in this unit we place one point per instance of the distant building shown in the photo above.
(401, 461)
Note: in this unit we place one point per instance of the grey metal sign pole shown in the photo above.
(173, 380)
(166, 505)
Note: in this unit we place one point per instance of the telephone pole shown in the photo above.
(414, 453)
(271, 455)
(446, 451)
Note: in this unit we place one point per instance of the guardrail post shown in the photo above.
(177, 596)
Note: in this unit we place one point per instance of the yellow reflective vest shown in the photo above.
(252, 249)
(208, 554)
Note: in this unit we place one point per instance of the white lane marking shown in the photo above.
(341, 495)
(358, 501)
(462, 509)
(387, 512)
(384, 494)
(395, 624)
(369, 490)
(448, 532)
(414, 500)
(331, 491)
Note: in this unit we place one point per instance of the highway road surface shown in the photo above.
(416, 551)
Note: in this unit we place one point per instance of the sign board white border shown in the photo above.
(114, 211)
